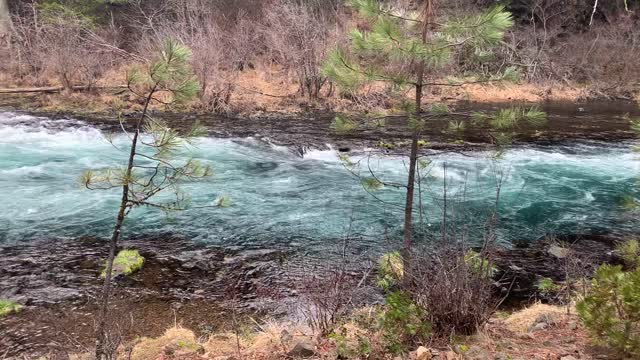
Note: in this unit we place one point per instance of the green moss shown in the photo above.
(126, 263)
(9, 307)
(188, 345)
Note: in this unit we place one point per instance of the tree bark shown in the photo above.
(5, 19)
(413, 156)
(103, 353)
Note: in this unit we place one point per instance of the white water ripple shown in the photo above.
(279, 198)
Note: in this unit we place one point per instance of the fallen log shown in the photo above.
(55, 89)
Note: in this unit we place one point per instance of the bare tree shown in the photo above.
(221, 49)
(298, 39)
(59, 43)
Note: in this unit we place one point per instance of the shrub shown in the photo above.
(479, 264)
(390, 270)
(611, 309)
(343, 125)
(327, 295)
(630, 252)
(126, 263)
(455, 286)
(350, 346)
(9, 307)
(402, 322)
(546, 286)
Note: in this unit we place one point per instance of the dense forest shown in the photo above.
(582, 45)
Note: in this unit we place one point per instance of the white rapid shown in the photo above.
(278, 198)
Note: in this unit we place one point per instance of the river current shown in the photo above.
(278, 198)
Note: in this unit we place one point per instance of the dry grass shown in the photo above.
(268, 89)
(510, 338)
(272, 341)
(514, 92)
(523, 320)
(175, 340)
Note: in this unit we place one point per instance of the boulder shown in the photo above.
(558, 251)
(302, 349)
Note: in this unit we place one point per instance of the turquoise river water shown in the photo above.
(281, 199)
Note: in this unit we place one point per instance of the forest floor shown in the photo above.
(541, 332)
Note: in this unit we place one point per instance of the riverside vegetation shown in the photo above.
(435, 295)
(256, 56)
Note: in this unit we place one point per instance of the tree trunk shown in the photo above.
(413, 156)
(5, 20)
(102, 351)
(411, 180)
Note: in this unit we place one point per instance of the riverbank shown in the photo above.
(310, 127)
(210, 290)
(536, 332)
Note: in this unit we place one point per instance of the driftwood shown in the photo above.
(55, 89)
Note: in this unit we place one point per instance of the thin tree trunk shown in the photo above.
(101, 340)
(5, 20)
(413, 156)
(411, 180)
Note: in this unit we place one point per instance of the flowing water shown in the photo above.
(279, 199)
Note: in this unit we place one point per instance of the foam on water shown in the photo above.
(280, 198)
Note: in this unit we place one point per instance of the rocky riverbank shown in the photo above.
(204, 287)
(310, 128)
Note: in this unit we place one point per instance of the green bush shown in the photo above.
(346, 348)
(402, 322)
(479, 264)
(126, 263)
(611, 309)
(630, 252)
(9, 307)
(546, 286)
(390, 270)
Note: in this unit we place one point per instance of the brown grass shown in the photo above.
(270, 89)
(175, 340)
(523, 320)
(507, 338)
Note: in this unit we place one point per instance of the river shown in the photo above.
(281, 199)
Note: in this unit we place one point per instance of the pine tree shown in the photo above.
(149, 169)
(406, 49)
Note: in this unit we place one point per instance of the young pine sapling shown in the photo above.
(150, 169)
(408, 50)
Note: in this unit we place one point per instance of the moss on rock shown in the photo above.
(9, 307)
(126, 263)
